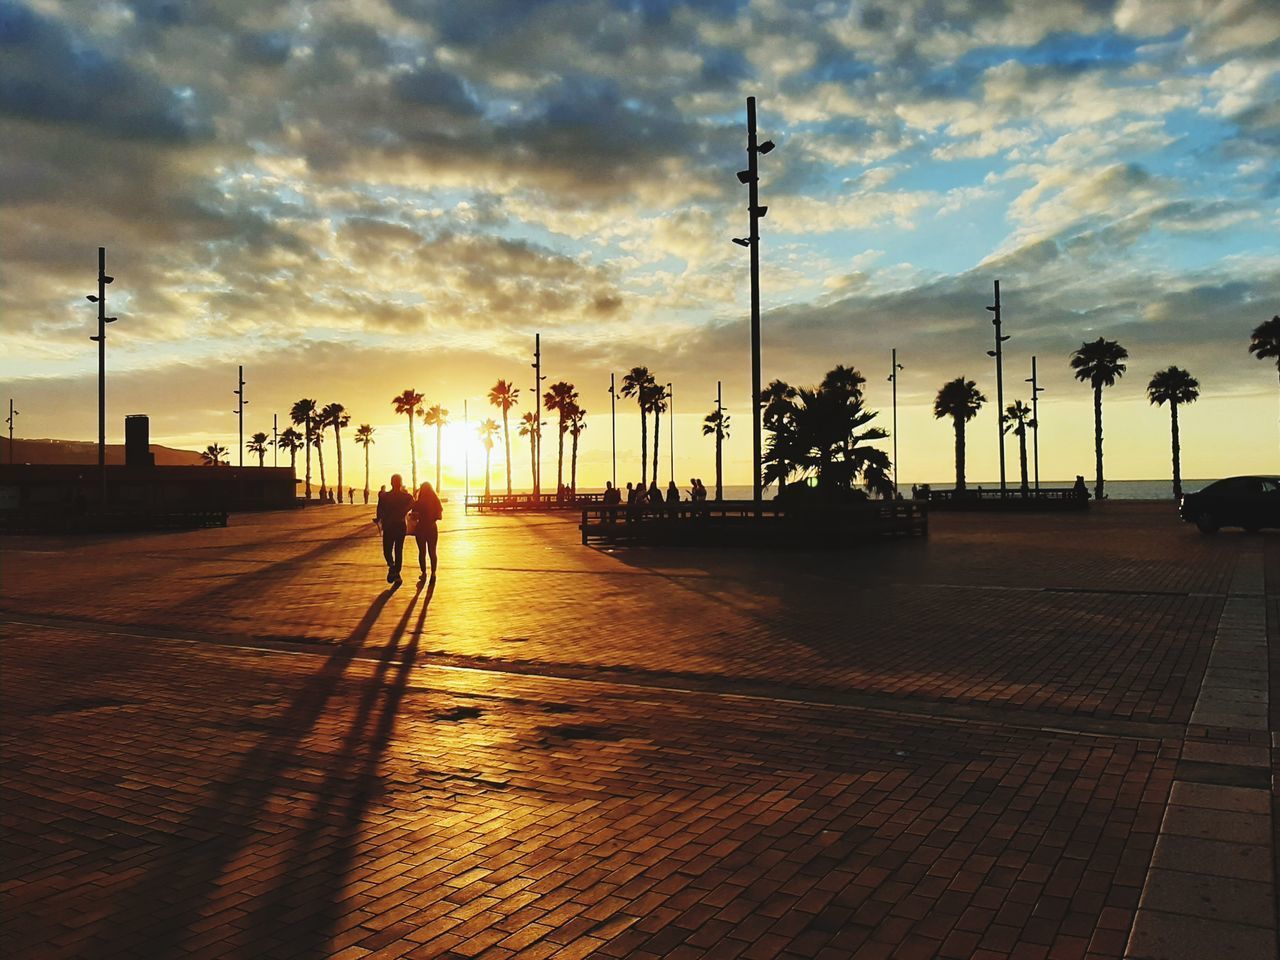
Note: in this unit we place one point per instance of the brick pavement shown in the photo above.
(960, 748)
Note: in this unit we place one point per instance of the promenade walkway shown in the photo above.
(1026, 737)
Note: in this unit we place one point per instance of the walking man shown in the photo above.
(392, 508)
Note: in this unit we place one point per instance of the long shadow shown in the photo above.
(151, 918)
(263, 580)
(328, 842)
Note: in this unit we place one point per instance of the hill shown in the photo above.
(86, 451)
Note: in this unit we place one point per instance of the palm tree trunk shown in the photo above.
(573, 469)
(262, 456)
(488, 450)
(413, 453)
(560, 458)
(1177, 452)
(307, 441)
(657, 429)
(438, 427)
(293, 461)
(644, 448)
(337, 440)
(959, 425)
(320, 456)
(1097, 442)
(1022, 460)
(506, 447)
(719, 464)
(533, 458)
(366, 472)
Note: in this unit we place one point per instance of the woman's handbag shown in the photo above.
(411, 523)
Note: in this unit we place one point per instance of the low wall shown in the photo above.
(59, 496)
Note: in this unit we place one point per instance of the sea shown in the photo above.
(1115, 489)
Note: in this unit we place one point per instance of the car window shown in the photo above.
(1270, 486)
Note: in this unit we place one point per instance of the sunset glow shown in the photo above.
(374, 196)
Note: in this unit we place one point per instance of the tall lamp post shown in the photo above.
(894, 367)
(101, 338)
(537, 409)
(1036, 390)
(671, 438)
(998, 353)
(240, 402)
(613, 420)
(275, 439)
(12, 413)
(751, 177)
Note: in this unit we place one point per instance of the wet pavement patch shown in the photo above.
(458, 713)
(82, 705)
(582, 731)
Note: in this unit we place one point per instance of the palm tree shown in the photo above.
(657, 404)
(213, 455)
(776, 402)
(407, 403)
(335, 415)
(364, 437)
(488, 436)
(301, 414)
(717, 422)
(559, 400)
(1017, 420)
(529, 428)
(1174, 385)
(1098, 363)
(436, 416)
(505, 395)
(317, 441)
(960, 400)
(290, 440)
(258, 444)
(637, 383)
(577, 417)
(1264, 342)
(819, 436)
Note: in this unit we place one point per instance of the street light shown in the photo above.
(1036, 390)
(239, 410)
(894, 367)
(537, 409)
(751, 178)
(101, 340)
(613, 420)
(998, 353)
(671, 433)
(12, 413)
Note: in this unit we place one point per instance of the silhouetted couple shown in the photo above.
(400, 514)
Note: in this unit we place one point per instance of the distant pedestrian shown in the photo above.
(655, 497)
(351, 494)
(393, 506)
(427, 510)
(611, 500)
(366, 496)
(1079, 489)
(673, 499)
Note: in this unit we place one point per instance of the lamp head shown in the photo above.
(744, 176)
(765, 147)
(742, 241)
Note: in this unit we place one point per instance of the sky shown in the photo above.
(356, 197)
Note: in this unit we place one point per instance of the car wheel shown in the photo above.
(1207, 523)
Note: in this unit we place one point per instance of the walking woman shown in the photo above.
(427, 509)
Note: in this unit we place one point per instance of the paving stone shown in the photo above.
(1171, 936)
(248, 747)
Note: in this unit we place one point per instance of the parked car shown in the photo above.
(1249, 502)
